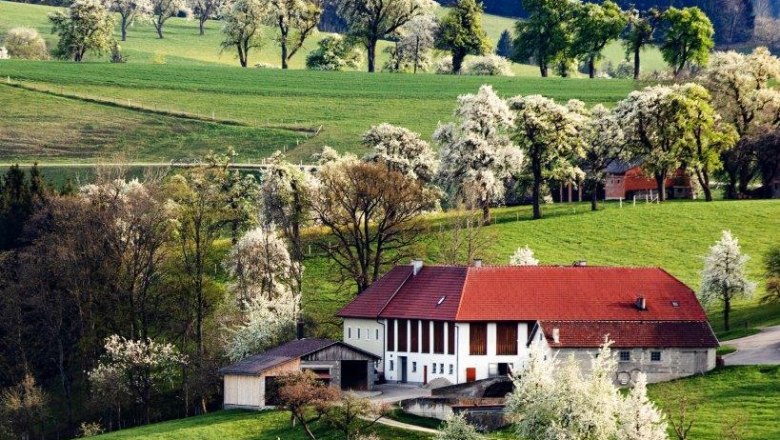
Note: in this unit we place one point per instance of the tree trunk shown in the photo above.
(371, 46)
(660, 180)
(486, 212)
(704, 182)
(457, 61)
(592, 67)
(202, 25)
(636, 61)
(726, 312)
(159, 31)
(594, 199)
(543, 69)
(124, 28)
(537, 188)
(283, 45)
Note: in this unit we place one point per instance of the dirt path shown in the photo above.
(760, 349)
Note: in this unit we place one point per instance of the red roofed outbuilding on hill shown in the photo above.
(464, 323)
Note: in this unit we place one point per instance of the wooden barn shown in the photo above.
(627, 180)
(251, 383)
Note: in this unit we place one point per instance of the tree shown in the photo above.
(687, 38)
(24, 406)
(86, 26)
(463, 238)
(145, 367)
(549, 135)
(372, 20)
(264, 323)
(723, 278)
(682, 411)
(294, 21)
(413, 49)
(640, 419)
(767, 32)
(595, 26)
(706, 137)
(243, 27)
(352, 415)
(739, 86)
(772, 274)
(554, 400)
(544, 34)
(457, 428)
(401, 150)
(651, 121)
(476, 153)
(764, 146)
(334, 52)
(129, 11)
(504, 46)
(306, 398)
(162, 10)
(461, 33)
(371, 211)
(641, 27)
(604, 144)
(25, 43)
(523, 256)
(205, 9)
(287, 194)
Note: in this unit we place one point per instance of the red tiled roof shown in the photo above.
(575, 293)
(630, 334)
(527, 294)
(377, 296)
(637, 180)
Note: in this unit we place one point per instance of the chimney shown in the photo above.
(641, 303)
(580, 263)
(300, 330)
(417, 265)
(477, 262)
(556, 334)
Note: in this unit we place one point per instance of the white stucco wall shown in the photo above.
(365, 334)
(482, 363)
(420, 360)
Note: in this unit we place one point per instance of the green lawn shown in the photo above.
(675, 236)
(750, 393)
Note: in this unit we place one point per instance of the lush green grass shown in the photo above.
(725, 349)
(751, 394)
(341, 105)
(241, 425)
(675, 236)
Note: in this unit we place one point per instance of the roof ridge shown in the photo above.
(403, 283)
(462, 289)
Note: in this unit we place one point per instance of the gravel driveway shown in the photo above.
(761, 348)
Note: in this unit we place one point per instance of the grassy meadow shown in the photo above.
(751, 394)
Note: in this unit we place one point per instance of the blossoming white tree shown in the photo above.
(203, 10)
(554, 400)
(294, 21)
(266, 322)
(162, 10)
(413, 50)
(129, 11)
(604, 143)
(457, 428)
(523, 256)
(476, 153)
(723, 277)
(550, 136)
(144, 367)
(401, 150)
(242, 27)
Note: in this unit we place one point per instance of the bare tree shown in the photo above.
(371, 211)
(353, 415)
(306, 398)
(463, 238)
(682, 411)
(733, 427)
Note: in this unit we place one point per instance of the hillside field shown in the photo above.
(749, 393)
(675, 236)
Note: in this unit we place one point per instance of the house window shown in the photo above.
(451, 338)
(392, 365)
(655, 356)
(415, 342)
(434, 368)
(426, 337)
(478, 338)
(625, 356)
(438, 337)
(492, 370)
(358, 331)
(506, 338)
(452, 369)
(376, 334)
(441, 368)
(403, 335)
(414, 367)
(349, 332)
(390, 335)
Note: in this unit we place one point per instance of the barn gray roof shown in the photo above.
(259, 363)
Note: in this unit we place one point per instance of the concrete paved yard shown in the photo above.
(392, 392)
(761, 348)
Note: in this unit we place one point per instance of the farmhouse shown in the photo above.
(627, 180)
(251, 383)
(469, 323)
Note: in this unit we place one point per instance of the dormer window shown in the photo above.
(675, 304)
(441, 300)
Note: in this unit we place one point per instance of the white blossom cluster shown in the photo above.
(554, 400)
(488, 65)
(401, 150)
(523, 256)
(724, 274)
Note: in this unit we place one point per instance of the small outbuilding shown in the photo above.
(251, 383)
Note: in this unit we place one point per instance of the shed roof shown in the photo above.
(630, 334)
(257, 364)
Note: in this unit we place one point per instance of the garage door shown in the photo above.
(354, 375)
(271, 391)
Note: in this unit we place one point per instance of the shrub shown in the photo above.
(116, 54)
(25, 43)
(334, 53)
(624, 69)
(90, 429)
(4, 53)
(444, 66)
(488, 65)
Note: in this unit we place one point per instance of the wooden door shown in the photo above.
(425, 374)
(471, 374)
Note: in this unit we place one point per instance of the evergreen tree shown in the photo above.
(461, 33)
(504, 47)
